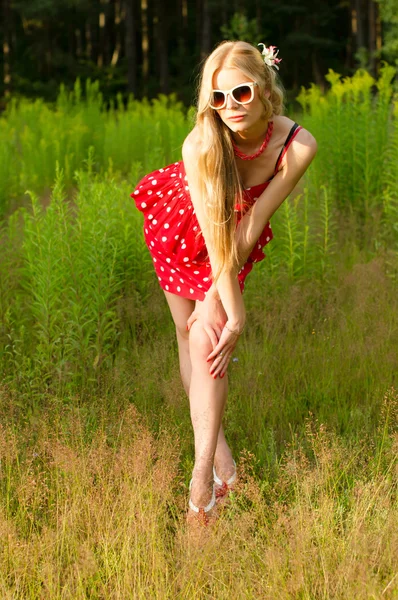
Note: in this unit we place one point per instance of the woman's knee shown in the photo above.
(199, 341)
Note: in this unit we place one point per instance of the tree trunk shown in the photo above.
(101, 35)
(358, 23)
(161, 45)
(6, 47)
(198, 23)
(131, 45)
(374, 34)
(116, 28)
(206, 30)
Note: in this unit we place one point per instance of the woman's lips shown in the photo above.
(236, 118)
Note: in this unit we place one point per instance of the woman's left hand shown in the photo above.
(221, 355)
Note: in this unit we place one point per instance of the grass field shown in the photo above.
(96, 446)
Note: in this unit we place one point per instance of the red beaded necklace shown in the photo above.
(263, 146)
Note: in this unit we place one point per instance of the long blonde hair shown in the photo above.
(220, 182)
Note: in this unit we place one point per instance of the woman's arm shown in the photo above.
(297, 160)
(227, 284)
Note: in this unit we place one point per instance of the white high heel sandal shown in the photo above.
(224, 486)
(202, 511)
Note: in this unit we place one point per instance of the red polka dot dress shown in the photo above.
(172, 232)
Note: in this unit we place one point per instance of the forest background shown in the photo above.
(148, 47)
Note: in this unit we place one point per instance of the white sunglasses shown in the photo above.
(242, 94)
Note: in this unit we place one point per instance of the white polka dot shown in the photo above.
(170, 192)
(154, 182)
(160, 279)
(150, 216)
(176, 237)
(199, 286)
(191, 291)
(205, 279)
(154, 259)
(167, 287)
(168, 209)
(152, 243)
(146, 230)
(196, 272)
(182, 281)
(267, 238)
(173, 270)
(149, 192)
(161, 170)
(187, 188)
(162, 268)
(166, 225)
(164, 239)
(171, 279)
(143, 204)
(178, 288)
(259, 246)
(168, 260)
(195, 228)
(183, 247)
(173, 175)
(154, 222)
(185, 259)
(136, 192)
(181, 211)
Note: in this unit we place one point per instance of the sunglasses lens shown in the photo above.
(242, 94)
(217, 99)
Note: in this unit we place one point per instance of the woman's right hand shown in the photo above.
(212, 315)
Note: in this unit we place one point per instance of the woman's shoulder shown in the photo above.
(285, 125)
(190, 145)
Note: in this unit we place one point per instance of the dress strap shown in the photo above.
(292, 133)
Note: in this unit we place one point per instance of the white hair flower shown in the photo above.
(270, 56)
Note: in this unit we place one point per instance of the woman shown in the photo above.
(206, 223)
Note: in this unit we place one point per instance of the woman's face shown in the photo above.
(238, 117)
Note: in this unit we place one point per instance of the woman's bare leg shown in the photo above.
(207, 398)
(181, 309)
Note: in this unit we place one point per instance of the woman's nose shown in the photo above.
(230, 101)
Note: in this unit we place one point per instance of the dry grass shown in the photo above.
(102, 516)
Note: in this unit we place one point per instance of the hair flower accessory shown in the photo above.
(270, 56)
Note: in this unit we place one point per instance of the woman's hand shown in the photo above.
(212, 315)
(222, 352)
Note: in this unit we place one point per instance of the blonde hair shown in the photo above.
(220, 182)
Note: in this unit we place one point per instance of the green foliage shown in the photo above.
(389, 16)
(240, 28)
(35, 135)
(352, 127)
(75, 263)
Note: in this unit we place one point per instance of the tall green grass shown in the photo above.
(129, 139)
(353, 127)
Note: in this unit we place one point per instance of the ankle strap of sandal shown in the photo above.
(207, 508)
(230, 480)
